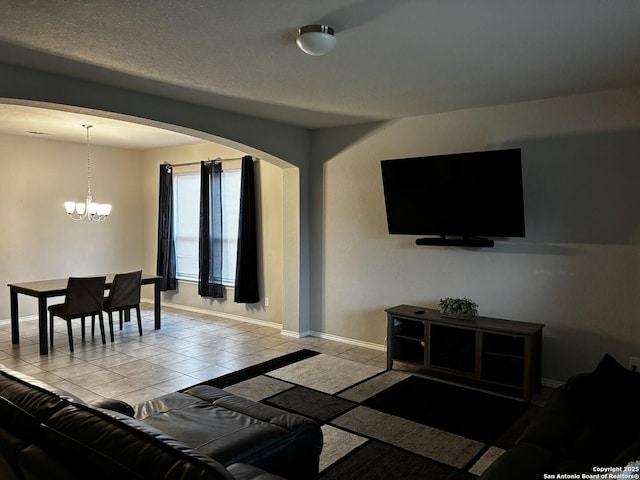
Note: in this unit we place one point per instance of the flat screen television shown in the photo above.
(466, 195)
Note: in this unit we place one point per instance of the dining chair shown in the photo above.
(84, 297)
(124, 294)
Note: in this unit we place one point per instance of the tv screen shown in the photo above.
(467, 194)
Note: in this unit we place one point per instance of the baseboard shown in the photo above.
(287, 333)
(335, 338)
(291, 333)
(7, 321)
(547, 382)
(215, 313)
(349, 341)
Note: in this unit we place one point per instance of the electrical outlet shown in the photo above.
(267, 302)
(634, 364)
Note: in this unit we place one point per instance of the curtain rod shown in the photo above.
(189, 164)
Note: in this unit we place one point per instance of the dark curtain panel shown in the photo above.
(246, 288)
(166, 262)
(210, 244)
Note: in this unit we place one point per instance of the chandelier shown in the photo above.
(89, 210)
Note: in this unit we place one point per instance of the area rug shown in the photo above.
(260, 368)
(380, 424)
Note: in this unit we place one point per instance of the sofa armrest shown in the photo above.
(114, 405)
(244, 471)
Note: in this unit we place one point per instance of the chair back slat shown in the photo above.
(125, 290)
(84, 295)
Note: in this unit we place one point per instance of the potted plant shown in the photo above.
(458, 308)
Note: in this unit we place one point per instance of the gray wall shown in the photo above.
(577, 269)
(38, 241)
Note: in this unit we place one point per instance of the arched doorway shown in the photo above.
(63, 236)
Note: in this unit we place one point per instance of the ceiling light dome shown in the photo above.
(316, 39)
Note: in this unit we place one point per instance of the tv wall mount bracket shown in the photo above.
(443, 241)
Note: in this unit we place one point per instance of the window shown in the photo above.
(230, 218)
(186, 208)
(187, 223)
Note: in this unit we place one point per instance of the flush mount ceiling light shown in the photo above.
(89, 210)
(316, 39)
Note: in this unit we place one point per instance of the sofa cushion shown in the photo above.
(295, 424)
(559, 423)
(30, 447)
(232, 429)
(48, 433)
(10, 448)
(244, 471)
(40, 424)
(136, 447)
(35, 463)
(34, 397)
(592, 420)
(613, 390)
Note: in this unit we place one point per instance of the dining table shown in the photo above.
(45, 289)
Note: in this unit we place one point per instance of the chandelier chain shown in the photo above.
(88, 160)
(89, 210)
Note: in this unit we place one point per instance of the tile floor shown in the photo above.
(188, 349)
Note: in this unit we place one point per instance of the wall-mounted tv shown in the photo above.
(466, 195)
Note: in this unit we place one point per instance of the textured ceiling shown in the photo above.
(393, 58)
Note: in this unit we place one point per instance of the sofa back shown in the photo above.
(48, 433)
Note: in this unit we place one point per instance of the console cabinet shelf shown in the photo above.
(491, 352)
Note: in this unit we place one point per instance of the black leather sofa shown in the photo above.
(203, 433)
(590, 423)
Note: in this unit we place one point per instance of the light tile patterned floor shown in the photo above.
(188, 349)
